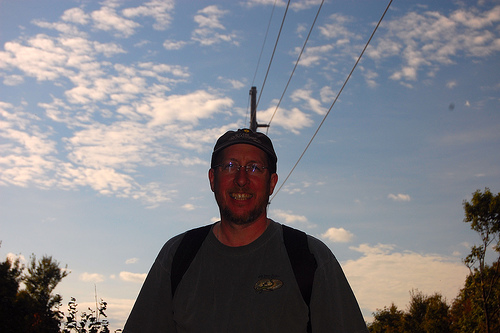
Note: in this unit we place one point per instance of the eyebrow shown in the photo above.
(249, 162)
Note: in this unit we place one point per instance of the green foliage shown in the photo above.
(387, 320)
(33, 309)
(40, 307)
(42, 278)
(426, 314)
(483, 213)
(467, 313)
(10, 277)
(88, 322)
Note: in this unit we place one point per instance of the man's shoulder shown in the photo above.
(317, 247)
(170, 247)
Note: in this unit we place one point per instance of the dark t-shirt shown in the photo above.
(250, 288)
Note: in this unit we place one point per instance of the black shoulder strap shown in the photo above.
(303, 263)
(188, 247)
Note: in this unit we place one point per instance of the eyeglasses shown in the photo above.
(232, 168)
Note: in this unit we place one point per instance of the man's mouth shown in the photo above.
(241, 196)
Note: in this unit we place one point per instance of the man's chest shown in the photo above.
(242, 293)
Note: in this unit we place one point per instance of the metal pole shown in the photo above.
(253, 109)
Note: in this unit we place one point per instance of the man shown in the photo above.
(241, 278)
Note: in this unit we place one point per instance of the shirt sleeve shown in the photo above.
(152, 311)
(334, 307)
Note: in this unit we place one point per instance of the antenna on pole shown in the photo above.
(253, 111)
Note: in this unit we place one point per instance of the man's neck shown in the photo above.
(231, 234)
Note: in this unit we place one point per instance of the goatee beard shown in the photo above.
(241, 219)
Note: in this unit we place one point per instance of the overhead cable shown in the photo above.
(295, 67)
(336, 98)
(274, 50)
(264, 42)
(260, 55)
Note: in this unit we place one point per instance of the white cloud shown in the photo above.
(382, 275)
(337, 28)
(310, 102)
(295, 5)
(173, 45)
(107, 19)
(399, 197)
(430, 39)
(61, 27)
(235, 84)
(292, 120)
(279, 3)
(209, 25)
(370, 77)
(13, 80)
(313, 55)
(158, 9)
(189, 108)
(103, 155)
(92, 277)
(188, 207)
(25, 156)
(304, 4)
(208, 17)
(118, 309)
(75, 15)
(288, 217)
(338, 235)
(476, 20)
(133, 277)
(131, 261)
(40, 58)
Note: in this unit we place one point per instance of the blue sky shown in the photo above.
(109, 111)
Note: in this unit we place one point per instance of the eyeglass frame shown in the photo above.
(238, 167)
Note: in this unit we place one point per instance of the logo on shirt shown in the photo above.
(267, 284)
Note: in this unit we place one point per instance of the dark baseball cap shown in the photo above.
(246, 136)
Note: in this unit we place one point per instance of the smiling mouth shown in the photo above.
(241, 196)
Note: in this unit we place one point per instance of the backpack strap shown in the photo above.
(303, 263)
(185, 253)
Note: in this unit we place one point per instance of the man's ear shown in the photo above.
(272, 182)
(211, 178)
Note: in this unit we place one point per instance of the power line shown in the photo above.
(296, 64)
(336, 98)
(264, 42)
(261, 51)
(274, 50)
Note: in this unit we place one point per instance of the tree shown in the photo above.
(387, 320)
(10, 277)
(483, 213)
(36, 304)
(426, 314)
(467, 314)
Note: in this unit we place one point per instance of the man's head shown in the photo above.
(246, 136)
(243, 175)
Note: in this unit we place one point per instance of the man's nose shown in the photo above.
(241, 177)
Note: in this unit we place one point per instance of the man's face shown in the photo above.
(242, 198)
